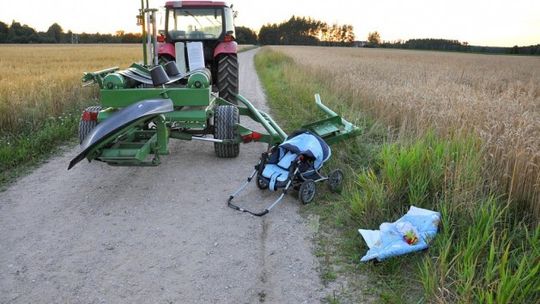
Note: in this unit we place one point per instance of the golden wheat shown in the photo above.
(497, 97)
(38, 82)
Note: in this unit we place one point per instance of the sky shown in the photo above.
(478, 22)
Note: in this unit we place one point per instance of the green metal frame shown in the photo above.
(333, 128)
(136, 146)
(194, 105)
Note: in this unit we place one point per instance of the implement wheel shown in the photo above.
(225, 117)
(227, 77)
(88, 123)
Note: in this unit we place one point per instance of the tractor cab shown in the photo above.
(198, 21)
(200, 34)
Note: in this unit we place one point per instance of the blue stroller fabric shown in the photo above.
(302, 143)
(389, 240)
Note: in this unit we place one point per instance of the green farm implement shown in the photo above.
(186, 88)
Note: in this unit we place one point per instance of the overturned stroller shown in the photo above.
(296, 163)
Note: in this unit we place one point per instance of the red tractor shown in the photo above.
(210, 23)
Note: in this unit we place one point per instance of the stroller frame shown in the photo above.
(304, 184)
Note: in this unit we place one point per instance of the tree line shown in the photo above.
(297, 30)
(19, 33)
(457, 46)
(374, 40)
(306, 31)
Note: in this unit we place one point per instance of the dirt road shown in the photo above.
(100, 234)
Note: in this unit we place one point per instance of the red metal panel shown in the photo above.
(166, 49)
(226, 48)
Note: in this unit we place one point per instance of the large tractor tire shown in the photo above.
(225, 117)
(86, 126)
(227, 77)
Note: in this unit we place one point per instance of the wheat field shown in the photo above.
(495, 97)
(39, 82)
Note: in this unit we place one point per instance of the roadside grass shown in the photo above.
(19, 153)
(484, 252)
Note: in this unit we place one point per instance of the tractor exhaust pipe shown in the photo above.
(142, 22)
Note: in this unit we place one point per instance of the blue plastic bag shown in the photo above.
(389, 240)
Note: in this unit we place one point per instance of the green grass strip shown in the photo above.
(483, 253)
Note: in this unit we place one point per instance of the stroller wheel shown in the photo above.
(307, 192)
(335, 179)
(261, 183)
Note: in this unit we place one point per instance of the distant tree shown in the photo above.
(245, 35)
(131, 38)
(374, 38)
(4, 29)
(21, 33)
(269, 34)
(56, 33)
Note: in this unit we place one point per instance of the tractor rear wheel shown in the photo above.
(227, 77)
(225, 117)
(87, 125)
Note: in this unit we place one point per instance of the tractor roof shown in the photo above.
(194, 3)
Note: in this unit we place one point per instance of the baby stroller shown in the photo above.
(296, 163)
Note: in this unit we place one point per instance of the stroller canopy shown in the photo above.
(309, 144)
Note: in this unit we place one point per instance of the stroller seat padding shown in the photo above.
(279, 172)
(286, 161)
(275, 174)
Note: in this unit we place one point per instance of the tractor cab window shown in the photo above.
(195, 24)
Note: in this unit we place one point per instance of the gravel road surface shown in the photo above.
(100, 234)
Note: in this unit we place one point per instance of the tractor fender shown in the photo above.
(166, 49)
(226, 48)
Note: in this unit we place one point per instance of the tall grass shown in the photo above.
(495, 97)
(41, 96)
(39, 82)
(481, 255)
(483, 251)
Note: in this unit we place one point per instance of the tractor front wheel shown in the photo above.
(225, 118)
(88, 122)
(227, 77)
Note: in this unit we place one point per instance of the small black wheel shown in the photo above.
(307, 192)
(86, 123)
(262, 183)
(227, 77)
(225, 118)
(335, 180)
